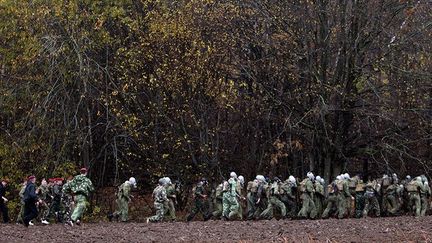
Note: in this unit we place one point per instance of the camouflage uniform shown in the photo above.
(239, 189)
(425, 193)
(200, 203)
(217, 201)
(359, 199)
(343, 196)
(289, 198)
(160, 198)
(80, 186)
(274, 201)
(391, 198)
(371, 199)
(170, 204)
(413, 189)
(255, 196)
(55, 207)
(319, 197)
(332, 201)
(45, 196)
(230, 203)
(21, 212)
(123, 199)
(308, 209)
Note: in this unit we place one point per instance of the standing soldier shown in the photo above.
(391, 196)
(67, 201)
(425, 193)
(123, 199)
(413, 188)
(240, 185)
(159, 197)
(81, 187)
(255, 193)
(289, 196)
(229, 200)
(31, 201)
(332, 199)
(319, 195)
(172, 199)
(308, 209)
(3, 201)
(359, 198)
(200, 201)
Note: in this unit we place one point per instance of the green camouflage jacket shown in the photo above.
(124, 190)
(81, 185)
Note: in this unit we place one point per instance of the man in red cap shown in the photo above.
(30, 201)
(3, 201)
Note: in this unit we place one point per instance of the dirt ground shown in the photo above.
(331, 230)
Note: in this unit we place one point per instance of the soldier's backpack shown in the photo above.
(252, 186)
(352, 183)
(386, 181)
(225, 186)
(303, 185)
(330, 188)
(219, 191)
(360, 187)
(412, 186)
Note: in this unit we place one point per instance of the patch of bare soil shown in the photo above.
(330, 230)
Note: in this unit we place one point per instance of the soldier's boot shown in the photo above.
(110, 216)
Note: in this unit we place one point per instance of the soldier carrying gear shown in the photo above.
(230, 195)
(371, 199)
(274, 200)
(123, 198)
(288, 196)
(172, 199)
(308, 209)
(319, 195)
(254, 190)
(200, 201)
(159, 197)
(332, 199)
(413, 188)
(425, 192)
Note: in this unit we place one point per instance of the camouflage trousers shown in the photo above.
(359, 204)
(170, 209)
(391, 204)
(308, 209)
(274, 202)
(200, 206)
(371, 204)
(80, 207)
(44, 211)
(160, 212)
(55, 209)
(218, 209)
(414, 201)
(21, 214)
(122, 211)
(253, 210)
(424, 204)
(230, 206)
(331, 207)
(290, 205)
(318, 199)
(342, 206)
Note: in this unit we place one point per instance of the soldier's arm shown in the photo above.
(126, 192)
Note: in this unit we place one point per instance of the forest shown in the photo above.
(192, 88)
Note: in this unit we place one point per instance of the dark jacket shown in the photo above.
(2, 192)
(30, 193)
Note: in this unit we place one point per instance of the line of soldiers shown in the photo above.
(310, 198)
(66, 203)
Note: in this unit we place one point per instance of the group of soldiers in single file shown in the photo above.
(310, 198)
(232, 199)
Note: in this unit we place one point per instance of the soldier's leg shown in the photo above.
(359, 205)
(160, 212)
(234, 207)
(124, 209)
(312, 209)
(225, 206)
(417, 205)
(80, 206)
(21, 214)
(424, 205)
(330, 205)
(341, 205)
(366, 207)
(303, 211)
(194, 211)
(251, 207)
(218, 209)
(281, 207)
(376, 206)
(268, 212)
(172, 211)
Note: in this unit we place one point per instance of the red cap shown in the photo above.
(31, 177)
(58, 179)
(51, 179)
(83, 170)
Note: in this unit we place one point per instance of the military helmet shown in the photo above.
(233, 175)
(132, 181)
(241, 179)
(162, 181)
(291, 179)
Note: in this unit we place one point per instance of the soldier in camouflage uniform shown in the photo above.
(308, 209)
(319, 195)
(332, 200)
(391, 196)
(56, 207)
(255, 193)
(67, 202)
(217, 201)
(21, 195)
(425, 192)
(239, 188)
(160, 198)
(45, 195)
(413, 189)
(81, 187)
(274, 200)
(371, 199)
(288, 196)
(230, 203)
(172, 199)
(200, 201)
(123, 198)
(344, 196)
(359, 198)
